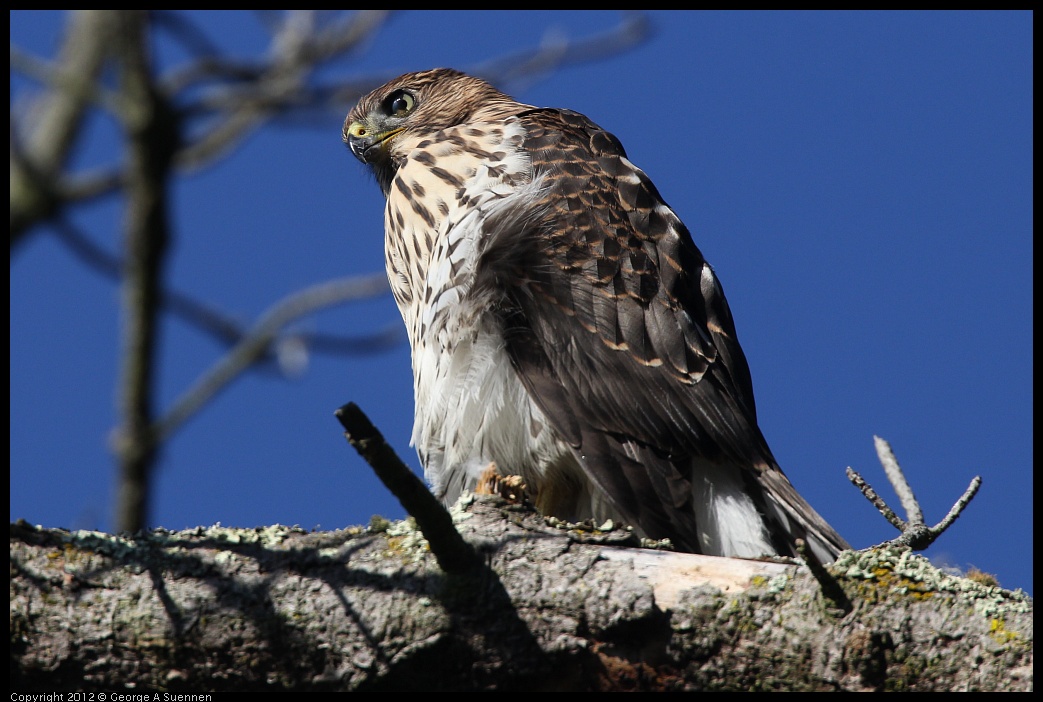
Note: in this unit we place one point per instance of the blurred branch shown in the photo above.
(258, 342)
(232, 98)
(228, 330)
(37, 158)
(152, 131)
(251, 346)
(558, 51)
(555, 52)
(298, 48)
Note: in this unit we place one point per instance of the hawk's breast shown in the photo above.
(438, 200)
(457, 194)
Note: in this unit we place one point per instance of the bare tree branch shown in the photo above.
(246, 95)
(152, 136)
(915, 533)
(897, 479)
(454, 555)
(557, 51)
(257, 343)
(37, 159)
(228, 330)
(296, 51)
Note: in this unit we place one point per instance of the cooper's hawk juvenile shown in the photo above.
(564, 325)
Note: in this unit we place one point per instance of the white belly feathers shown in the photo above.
(450, 201)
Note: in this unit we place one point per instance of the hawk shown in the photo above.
(564, 326)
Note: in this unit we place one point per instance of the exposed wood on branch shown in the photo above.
(278, 608)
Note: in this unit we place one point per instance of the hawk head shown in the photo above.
(388, 123)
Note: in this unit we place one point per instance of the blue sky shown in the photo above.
(861, 182)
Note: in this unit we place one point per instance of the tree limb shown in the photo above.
(38, 158)
(153, 134)
(277, 608)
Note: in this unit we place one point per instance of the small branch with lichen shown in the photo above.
(455, 556)
(915, 532)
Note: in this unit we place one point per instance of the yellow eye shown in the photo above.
(399, 103)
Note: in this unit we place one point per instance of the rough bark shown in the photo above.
(551, 609)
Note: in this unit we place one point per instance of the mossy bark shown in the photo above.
(217, 609)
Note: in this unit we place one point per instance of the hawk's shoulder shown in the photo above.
(615, 265)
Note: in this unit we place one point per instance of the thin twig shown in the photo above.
(557, 50)
(961, 503)
(898, 481)
(915, 533)
(454, 555)
(875, 499)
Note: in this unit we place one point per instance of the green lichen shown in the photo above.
(778, 583)
(895, 571)
(459, 511)
(407, 541)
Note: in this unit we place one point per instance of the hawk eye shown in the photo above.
(399, 103)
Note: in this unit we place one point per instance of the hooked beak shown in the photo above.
(366, 142)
